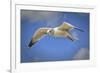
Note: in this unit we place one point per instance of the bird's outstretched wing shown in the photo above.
(38, 35)
(65, 26)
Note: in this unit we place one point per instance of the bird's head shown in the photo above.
(50, 31)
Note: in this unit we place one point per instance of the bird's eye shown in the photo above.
(51, 31)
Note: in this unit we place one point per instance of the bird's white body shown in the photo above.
(60, 31)
(55, 29)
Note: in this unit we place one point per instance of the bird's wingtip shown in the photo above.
(30, 44)
(79, 29)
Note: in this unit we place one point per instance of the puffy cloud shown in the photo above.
(82, 54)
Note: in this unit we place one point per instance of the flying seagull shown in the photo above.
(61, 31)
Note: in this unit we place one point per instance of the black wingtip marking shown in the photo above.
(30, 44)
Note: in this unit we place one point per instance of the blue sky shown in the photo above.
(51, 48)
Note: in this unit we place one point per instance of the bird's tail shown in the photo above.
(79, 29)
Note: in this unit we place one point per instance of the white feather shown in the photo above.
(55, 29)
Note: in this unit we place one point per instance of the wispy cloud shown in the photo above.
(51, 18)
(82, 54)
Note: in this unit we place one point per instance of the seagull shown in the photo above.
(61, 31)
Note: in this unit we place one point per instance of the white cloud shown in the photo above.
(82, 54)
(51, 18)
